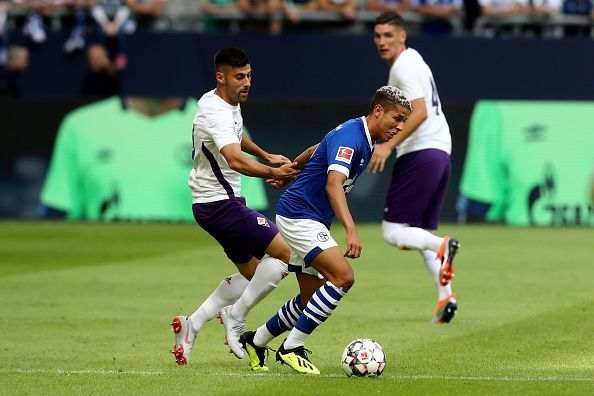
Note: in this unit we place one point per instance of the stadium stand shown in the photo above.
(549, 18)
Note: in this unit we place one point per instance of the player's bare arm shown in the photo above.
(304, 157)
(246, 166)
(337, 197)
(301, 160)
(382, 152)
(248, 146)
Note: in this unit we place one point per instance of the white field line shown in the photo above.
(75, 372)
(232, 374)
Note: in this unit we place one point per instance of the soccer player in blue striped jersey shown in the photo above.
(304, 215)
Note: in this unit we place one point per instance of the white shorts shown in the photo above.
(306, 238)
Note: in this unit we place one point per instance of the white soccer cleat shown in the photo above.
(184, 339)
(447, 251)
(234, 329)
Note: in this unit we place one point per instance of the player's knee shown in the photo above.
(394, 234)
(390, 237)
(346, 280)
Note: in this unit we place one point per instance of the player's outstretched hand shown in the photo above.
(277, 159)
(277, 184)
(354, 247)
(286, 172)
(381, 153)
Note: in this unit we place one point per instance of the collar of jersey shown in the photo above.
(223, 102)
(367, 132)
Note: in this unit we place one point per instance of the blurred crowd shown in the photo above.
(117, 17)
(102, 27)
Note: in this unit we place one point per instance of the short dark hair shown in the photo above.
(389, 96)
(390, 18)
(234, 57)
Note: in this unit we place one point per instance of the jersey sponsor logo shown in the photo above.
(345, 154)
(323, 236)
(263, 222)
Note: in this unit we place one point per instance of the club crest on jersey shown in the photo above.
(345, 154)
(263, 222)
(323, 237)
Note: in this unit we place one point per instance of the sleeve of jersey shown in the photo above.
(340, 154)
(483, 175)
(407, 78)
(222, 131)
(252, 188)
(61, 189)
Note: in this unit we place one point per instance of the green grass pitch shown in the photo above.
(85, 308)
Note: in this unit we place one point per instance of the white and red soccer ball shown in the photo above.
(363, 357)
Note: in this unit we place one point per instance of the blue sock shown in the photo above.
(320, 307)
(286, 317)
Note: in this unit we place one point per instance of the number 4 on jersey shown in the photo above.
(434, 96)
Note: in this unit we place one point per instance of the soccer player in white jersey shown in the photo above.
(219, 209)
(304, 215)
(422, 170)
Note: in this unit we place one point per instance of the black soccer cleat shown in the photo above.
(446, 309)
(257, 354)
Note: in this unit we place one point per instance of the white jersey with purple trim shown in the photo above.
(346, 149)
(216, 125)
(412, 75)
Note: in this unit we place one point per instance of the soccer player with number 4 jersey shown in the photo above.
(422, 170)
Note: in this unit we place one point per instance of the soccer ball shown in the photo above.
(363, 358)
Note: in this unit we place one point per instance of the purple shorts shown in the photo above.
(418, 188)
(242, 232)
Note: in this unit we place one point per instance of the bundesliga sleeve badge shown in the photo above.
(345, 154)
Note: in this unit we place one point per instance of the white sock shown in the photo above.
(263, 336)
(403, 236)
(295, 339)
(434, 267)
(228, 291)
(268, 275)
